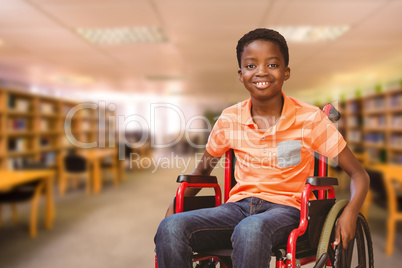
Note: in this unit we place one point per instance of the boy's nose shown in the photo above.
(262, 70)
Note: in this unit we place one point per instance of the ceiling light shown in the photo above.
(305, 34)
(123, 35)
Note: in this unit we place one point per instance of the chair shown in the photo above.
(384, 194)
(314, 237)
(26, 192)
(75, 167)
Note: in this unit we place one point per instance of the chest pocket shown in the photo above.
(289, 153)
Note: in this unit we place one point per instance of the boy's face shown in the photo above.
(263, 69)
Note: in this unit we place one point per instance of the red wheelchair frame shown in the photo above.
(321, 184)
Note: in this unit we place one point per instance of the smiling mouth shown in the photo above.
(262, 85)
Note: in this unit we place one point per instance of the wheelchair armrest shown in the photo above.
(196, 179)
(321, 181)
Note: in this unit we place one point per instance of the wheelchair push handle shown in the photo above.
(332, 113)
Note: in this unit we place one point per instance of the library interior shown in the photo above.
(104, 103)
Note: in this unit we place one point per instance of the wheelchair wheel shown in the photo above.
(358, 253)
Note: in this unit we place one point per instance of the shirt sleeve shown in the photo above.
(325, 138)
(218, 141)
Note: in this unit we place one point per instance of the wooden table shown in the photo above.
(95, 157)
(11, 178)
(391, 174)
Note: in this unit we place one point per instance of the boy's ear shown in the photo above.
(287, 73)
(240, 74)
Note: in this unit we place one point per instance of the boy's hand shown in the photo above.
(345, 228)
(359, 185)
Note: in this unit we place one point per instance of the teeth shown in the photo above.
(262, 83)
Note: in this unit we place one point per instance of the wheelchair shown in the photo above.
(311, 242)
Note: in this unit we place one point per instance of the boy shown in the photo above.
(274, 138)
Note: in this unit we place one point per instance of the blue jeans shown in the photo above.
(251, 226)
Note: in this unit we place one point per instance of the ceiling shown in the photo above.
(41, 50)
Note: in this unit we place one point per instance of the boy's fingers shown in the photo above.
(337, 235)
(345, 242)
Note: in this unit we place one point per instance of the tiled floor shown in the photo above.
(116, 228)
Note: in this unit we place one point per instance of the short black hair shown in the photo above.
(263, 34)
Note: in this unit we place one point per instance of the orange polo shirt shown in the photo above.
(274, 164)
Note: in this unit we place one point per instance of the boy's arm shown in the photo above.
(204, 167)
(359, 185)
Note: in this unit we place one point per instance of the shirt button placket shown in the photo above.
(263, 150)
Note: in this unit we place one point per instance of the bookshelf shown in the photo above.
(32, 128)
(353, 124)
(394, 133)
(373, 126)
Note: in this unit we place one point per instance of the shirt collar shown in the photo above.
(285, 121)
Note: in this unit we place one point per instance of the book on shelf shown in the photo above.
(18, 104)
(44, 124)
(377, 103)
(44, 142)
(355, 135)
(377, 156)
(22, 105)
(397, 159)
(375, 121)
(395, 101)
(17, 124)
(48, 158)
(11, 101)
(16, 163)
(396, 140)
(396, 121)
(17, 145)
(353, 107)
(375, 138)
(354, 121)
(47, 108)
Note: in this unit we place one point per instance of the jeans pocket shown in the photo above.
(289, 153)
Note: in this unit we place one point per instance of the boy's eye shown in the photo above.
(273, 65)
(250, 66)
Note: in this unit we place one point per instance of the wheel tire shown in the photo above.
(342, 258)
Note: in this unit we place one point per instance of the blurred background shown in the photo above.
(128, 91)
